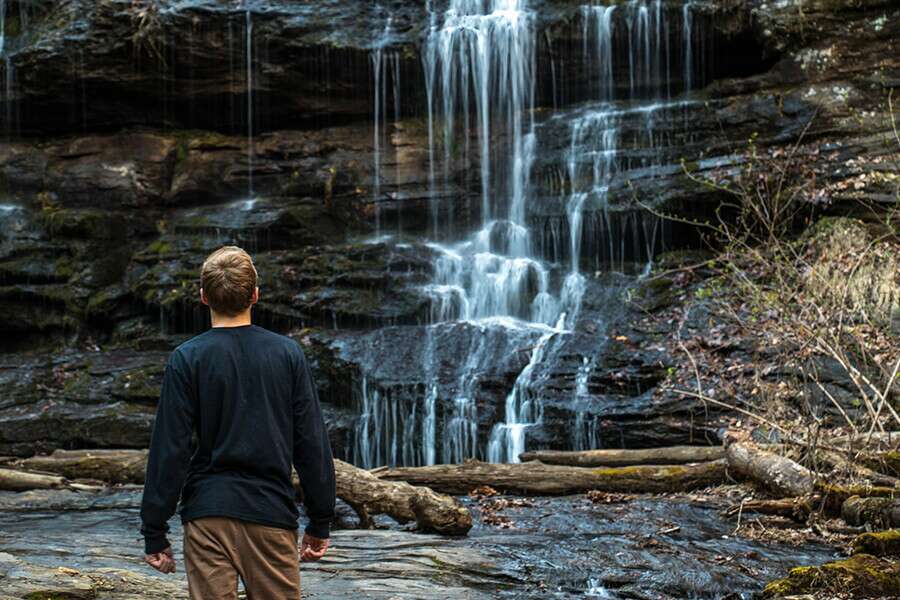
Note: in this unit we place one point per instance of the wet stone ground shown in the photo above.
(569, 547)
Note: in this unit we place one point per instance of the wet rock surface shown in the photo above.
(564, 547)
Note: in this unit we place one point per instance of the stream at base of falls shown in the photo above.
(562, 547)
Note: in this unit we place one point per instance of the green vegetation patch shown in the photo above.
(879, 543)
(862, 576)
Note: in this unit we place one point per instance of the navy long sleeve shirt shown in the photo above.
(246, 397)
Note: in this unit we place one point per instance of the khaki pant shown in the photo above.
(218, 550)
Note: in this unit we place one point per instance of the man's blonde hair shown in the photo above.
(228, 278)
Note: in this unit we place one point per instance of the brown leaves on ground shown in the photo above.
(482, 492)
(492, 504)
(600, 497)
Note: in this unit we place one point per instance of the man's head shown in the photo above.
(228, 282)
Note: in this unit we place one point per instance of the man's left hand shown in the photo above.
(312, 548)
(163, 561)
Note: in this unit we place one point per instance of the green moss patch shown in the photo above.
(861, 576)
(880, 543)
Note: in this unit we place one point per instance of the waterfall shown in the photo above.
(250, 150)
(2, 27)
(600, 18)
(585, 433)
(483, 50)
(486, 50)
(687, 29)
(478, 58)
(9, 70)
(523, 410)
(389, 428)
(384, 64)
(376, 147)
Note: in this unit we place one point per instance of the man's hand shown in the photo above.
(312, 548)
(163, 561)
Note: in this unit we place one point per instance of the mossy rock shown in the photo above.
(61, 595)
(654, 294)
(861, 576)
(142, 384)
(83, 223)
(879, 543)
(78, 385)
(675, 259)
(104, 302)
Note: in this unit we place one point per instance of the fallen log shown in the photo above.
(834, 495)
(884, 462)
(865, 440)
(877, 543)
(881, 513)
(797, 509)
(860, 471)
(781, 475)
(14, 480)
(674, 455)
(363, 491)
(368, 495)
(535, 478)
(110, 466)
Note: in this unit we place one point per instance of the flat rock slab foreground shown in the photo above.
(66, 544)
(364, 564)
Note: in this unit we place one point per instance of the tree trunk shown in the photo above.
(858, 471)
(111, 466)
(863, 440)
(781, 475)
(369, 495)
(797, 509)
(675, 455)
(881, 513)
(539, 479)
(20, 481)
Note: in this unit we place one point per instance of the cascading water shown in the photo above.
(479, 73)
(2, 27)
(688, 28)
(523, 409)
(248, 26)
(8, 69)
(483, 51)
(384, 64)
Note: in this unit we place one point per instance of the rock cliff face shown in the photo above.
(141, 135)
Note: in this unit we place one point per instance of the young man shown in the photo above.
(247, 395)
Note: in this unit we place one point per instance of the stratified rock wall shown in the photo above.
(136, 141)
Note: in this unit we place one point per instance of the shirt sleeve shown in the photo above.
(167, 464)
(312, 454)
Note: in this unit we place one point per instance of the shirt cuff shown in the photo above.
(155, 544)
(320, 530)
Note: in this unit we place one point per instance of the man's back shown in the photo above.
(244, 380)
(244, 389)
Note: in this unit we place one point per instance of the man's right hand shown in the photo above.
(312, 548)
(163, 561)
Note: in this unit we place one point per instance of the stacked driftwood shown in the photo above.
(91, 470)
(424, 494)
